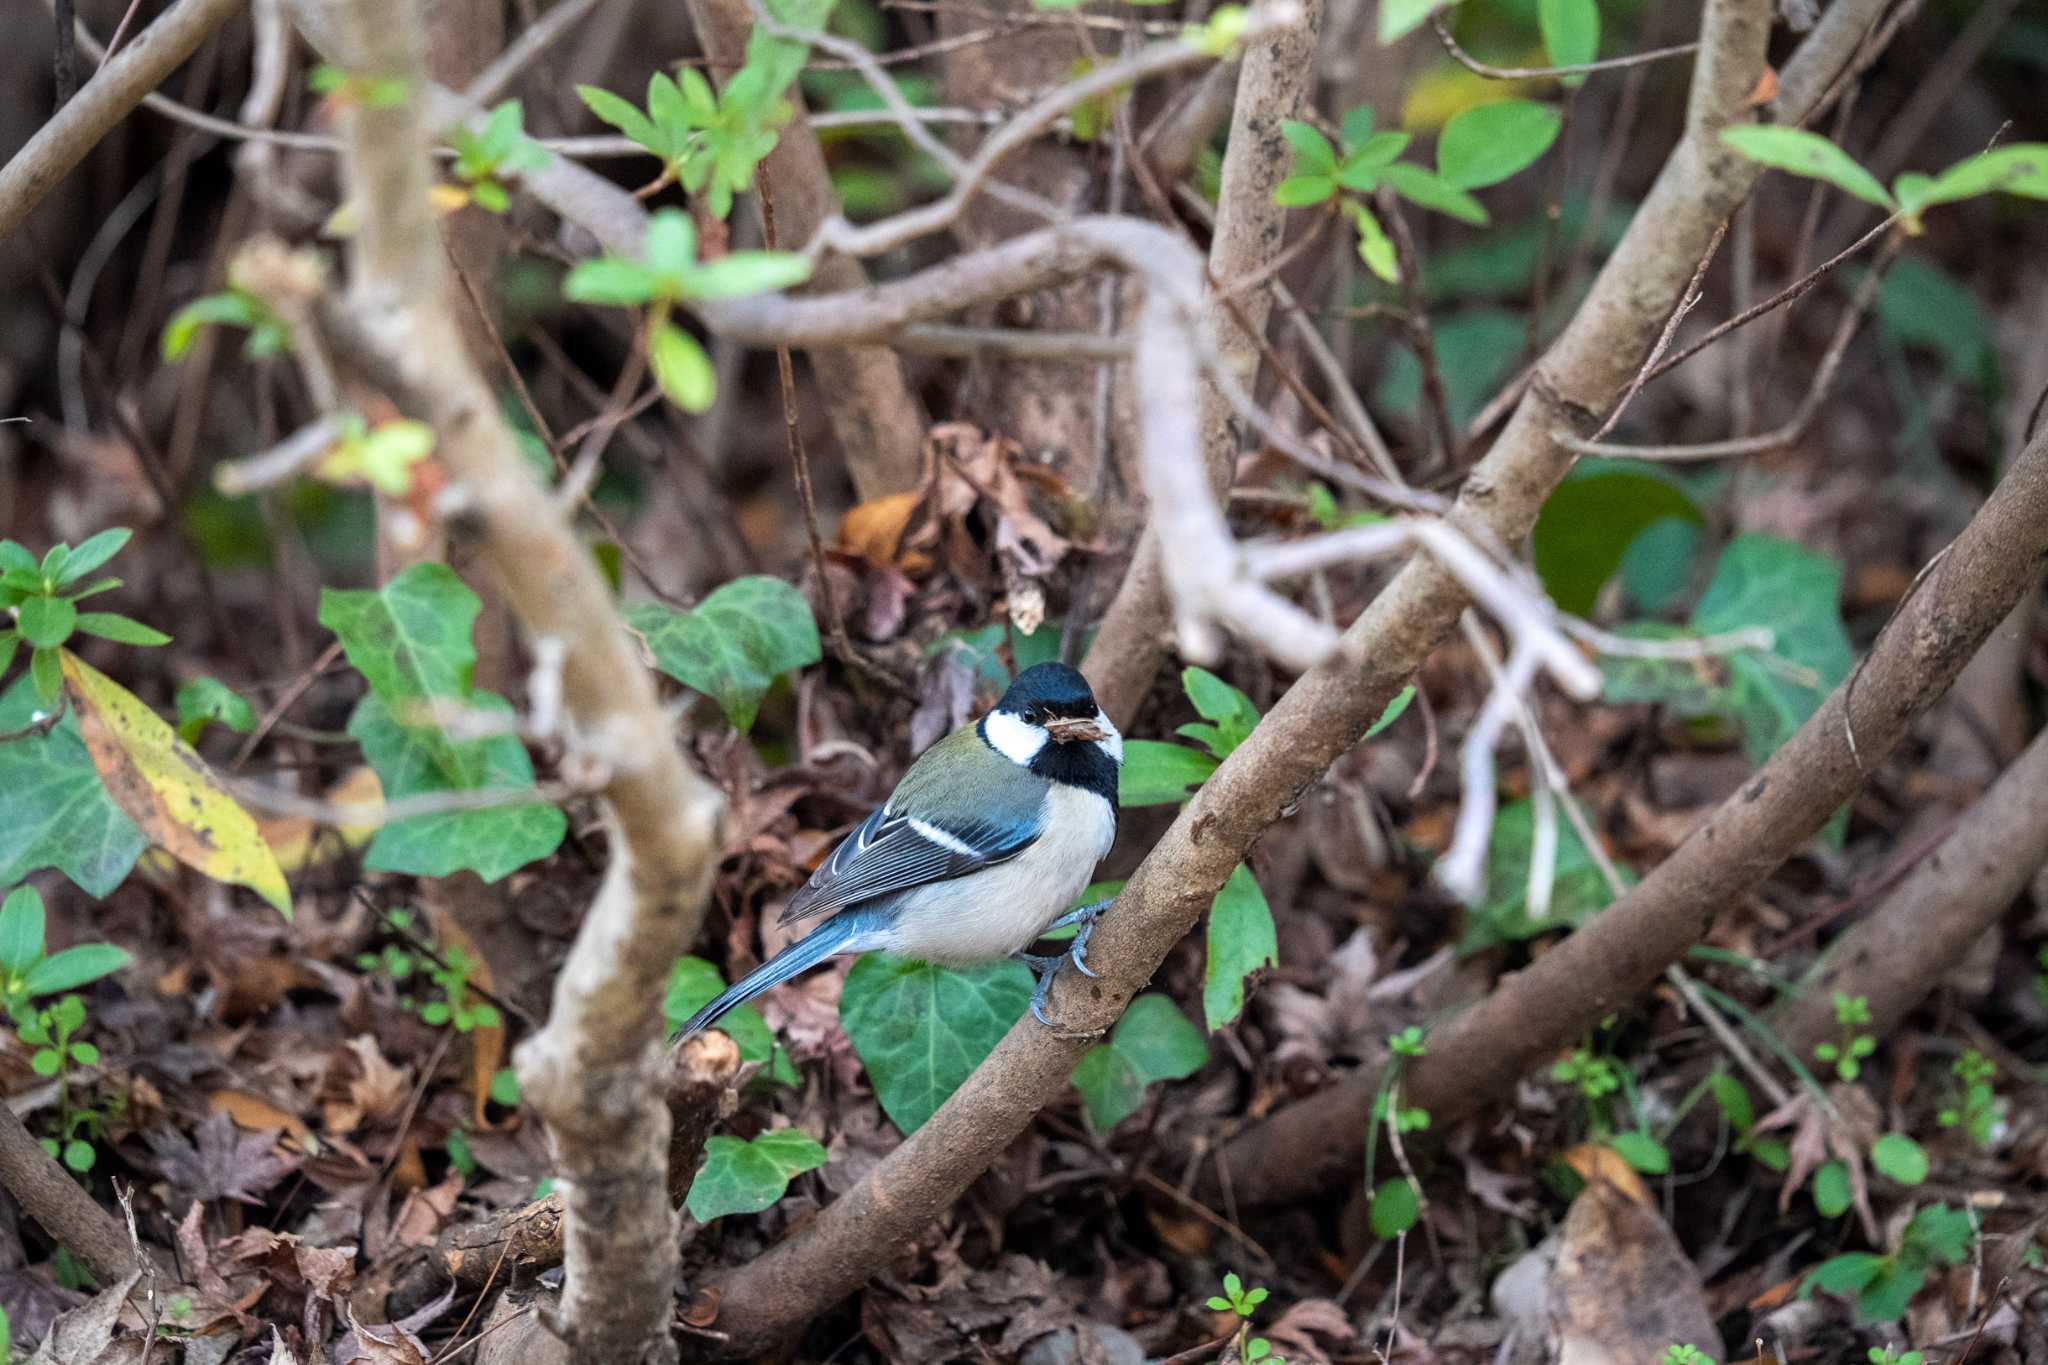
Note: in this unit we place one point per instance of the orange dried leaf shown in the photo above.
(1595, 1162)
(874, 529)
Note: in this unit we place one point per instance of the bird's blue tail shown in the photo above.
(846, 932)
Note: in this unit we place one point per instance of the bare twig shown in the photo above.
(1526, 73)
(106, 99)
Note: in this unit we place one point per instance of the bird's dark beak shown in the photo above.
(1068, 731)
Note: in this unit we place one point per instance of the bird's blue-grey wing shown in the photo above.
(892, 852)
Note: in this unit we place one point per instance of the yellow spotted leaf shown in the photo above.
(165, 787)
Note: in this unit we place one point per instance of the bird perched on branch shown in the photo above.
(984, 843)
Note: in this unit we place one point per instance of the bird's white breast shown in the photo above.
(999, 911)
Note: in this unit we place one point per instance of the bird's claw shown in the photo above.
(1083, 918)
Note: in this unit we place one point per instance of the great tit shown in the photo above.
(984, 843)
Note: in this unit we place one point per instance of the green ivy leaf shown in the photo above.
(54, 811)
(1489, 143)
(411, 640)
(1799, 152)
(745, 1177)
(204, 701)
(1764, 581)
(921, 1029)
(1577, 888)
(1242, 941)
(1395, 1208)
(21, 930)
(734, 644)
(1898, 1157)
(1152, 1042)
(1156, 773)
(1590, 520)
(415, 761)
(74, 967)
(1571, 33)
(694, 984)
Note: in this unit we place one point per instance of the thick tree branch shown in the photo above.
(1318, 719)
(1532, 1014)
(107, 98)
(60, 1205)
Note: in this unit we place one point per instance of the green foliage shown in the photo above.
(204, 701)
(1977, 1110)
(1641, 1151)
(411, 640)
(269, 334)
(1571, 33)
(1395, 1208)
(1759, 581)
(458, 1007)
(1219, 35)
(1897, 1157)
(739, 1176)
(1685, 1355)
(1735, 1105)
(54, 810)
(29, 973)
(921, 1029)
(1924, 306)
(346, 87)
(1235, 1298)
(1833, 1192)
(1242, 941)
(1604, 1083)
(1409, 1042)
(1399, 18)
(1884, 1285)
(501, 149)
(1476, 351)
(1577, 887)
(695, 983)
(1885, 1355)
(1589, 522)
(1488, 143)
(734, 644)
(43, 595)
(1152, 1042)
(1850, 1046)
(1158, 773)
(2020, 169)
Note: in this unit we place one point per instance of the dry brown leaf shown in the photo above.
(1595, 1162)
(1298, 1328)
(253, 1113)
(1623, 1289)
(874, 529)
(381, 1090)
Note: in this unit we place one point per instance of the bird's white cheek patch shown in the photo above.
(1112, 743)
(1015, 739)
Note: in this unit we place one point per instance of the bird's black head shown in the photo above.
(1048, 692)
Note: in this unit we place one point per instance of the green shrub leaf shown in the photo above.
(1395, 1208)
(74, 967)
(1571, 33)
(1800, 152)
(1590, 520)
(694, 984)
(21, 930)
(1242, 941)
(1898, 1157)
(54, 811)
(1159, 774)
(204, 700)
(1489, 143)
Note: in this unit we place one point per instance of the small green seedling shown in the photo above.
(1978, 1110)
(1885, 1355)
(27, 974)
(1850, 1047)
(484, 160)
(1235, 1298)
(1684, 1355)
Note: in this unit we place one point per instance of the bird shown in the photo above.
(992, 833)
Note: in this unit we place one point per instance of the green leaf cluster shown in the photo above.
(29, 972)
(41, 597)
(500, 149)
(2020, 169)
(1977, 1110)
(410, 639)
(1733, 1098)
(1480, 146)
(205, 701)
(1884, 1284)
(1152, 1042)
(734, 644)
(669, 273)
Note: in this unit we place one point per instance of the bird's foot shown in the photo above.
(1044, 966)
